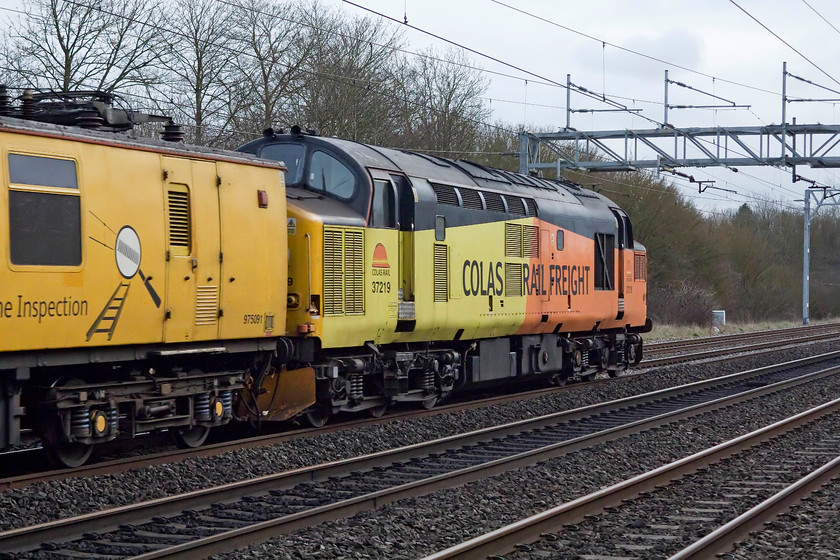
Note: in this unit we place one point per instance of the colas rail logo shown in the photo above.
(380, 261)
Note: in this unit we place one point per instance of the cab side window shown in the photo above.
(329, 175)
(383, 205)
(45, 218)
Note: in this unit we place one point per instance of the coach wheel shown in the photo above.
(430, 403)
(378, 411)
(69, 455)
(588, 377)
(317, 416)
(187, 438)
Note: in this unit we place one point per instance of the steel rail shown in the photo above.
(723, 538)
(680, 358)
(530, 529)
(678, 345)
(30, 456)
(68, 529)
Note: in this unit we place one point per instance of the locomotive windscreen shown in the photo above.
(290, 154)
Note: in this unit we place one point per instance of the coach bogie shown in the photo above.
(74, 415)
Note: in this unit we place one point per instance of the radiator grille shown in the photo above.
(494, 202)
(206, 305)
(640, 267)
(513, 240)
(441, 265)
(333, 272)
(445, 195)
(344, 272)
(532, 206)
(530, 242)
(513, 279)
(471, 199)
(179, 219)
(354, 272)
(515, 205)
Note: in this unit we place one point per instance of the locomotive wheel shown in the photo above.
(188, 438)
(60, 453)
(68, 455)
(430, 403)
(377, 411)
(317, 417)
(588, 377)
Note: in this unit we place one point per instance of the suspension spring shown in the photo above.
(80, 421)
(429, 380)
(113, 420)
(356, 387)
(227, 403)
(202, 407)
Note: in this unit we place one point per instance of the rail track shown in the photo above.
(229, 516)
(20, 468)
(666, 353)
(734, 339)
(656, 512)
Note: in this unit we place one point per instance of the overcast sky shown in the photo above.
(712, 37)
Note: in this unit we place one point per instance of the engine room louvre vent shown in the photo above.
(179, 221)
(494, 202)
(354, 272)
(333, 272)
(513, 240)
(206, 305)
(530, 242)
(515, 205)
(513, 279)
(441, 265)
(471, 199)
(445, 195)
(532, 206)
(640, 267)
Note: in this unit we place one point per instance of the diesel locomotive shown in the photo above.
(149, 285)
(412, 276)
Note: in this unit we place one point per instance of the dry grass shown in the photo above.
(670, 332)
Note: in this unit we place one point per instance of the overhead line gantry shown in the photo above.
(785, 145)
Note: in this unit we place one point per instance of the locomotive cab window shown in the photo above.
(45, 218)
(328, 175)
(290, 154)
(383, 206)
(604, 261)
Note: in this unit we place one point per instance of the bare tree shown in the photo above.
(348, 90)
(197, 61)
(447, 93)
(268, 71)
(69, 44)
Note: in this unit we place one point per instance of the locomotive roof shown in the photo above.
(447, 171)
(123, 140)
